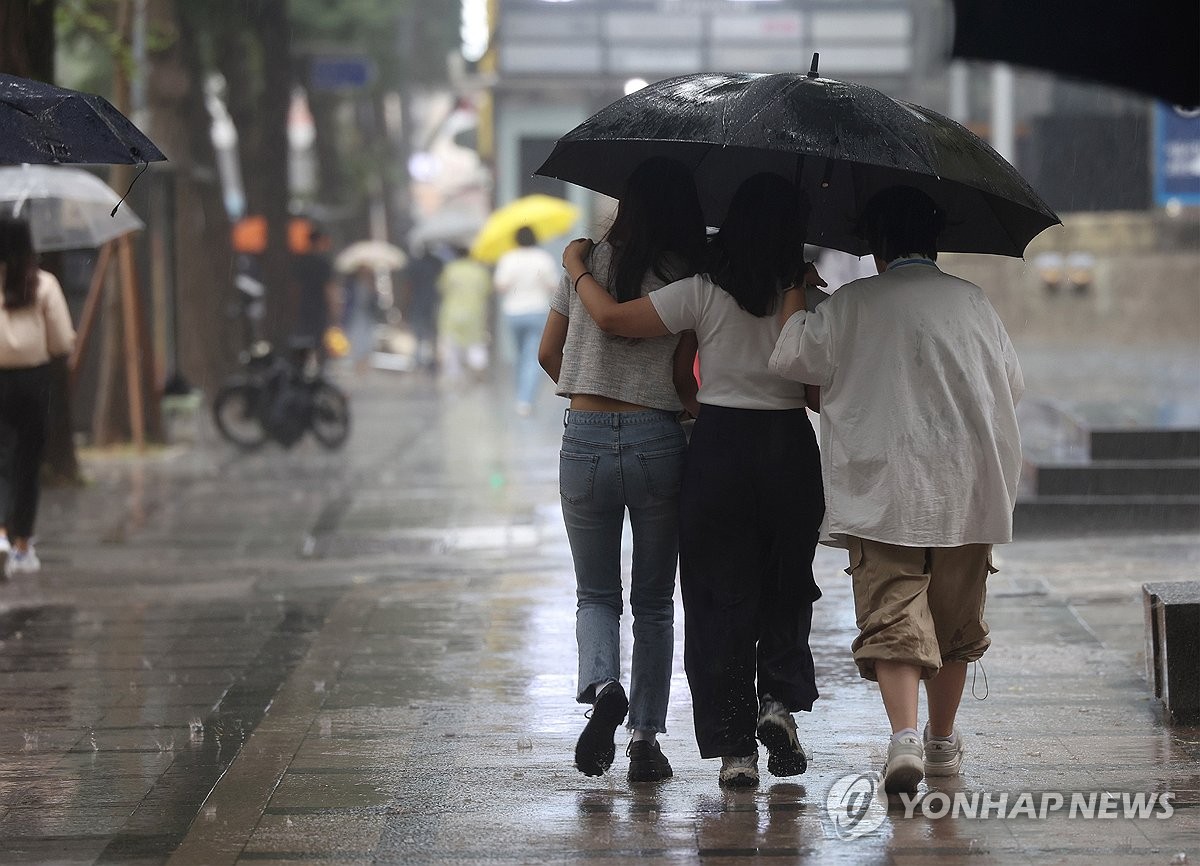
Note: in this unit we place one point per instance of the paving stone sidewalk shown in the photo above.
(368, 657)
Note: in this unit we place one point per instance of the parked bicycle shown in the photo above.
(273, 395)
(280, 398)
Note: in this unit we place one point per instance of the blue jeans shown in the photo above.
(610, 462)
(526, 332)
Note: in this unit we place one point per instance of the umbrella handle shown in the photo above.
(113, 212)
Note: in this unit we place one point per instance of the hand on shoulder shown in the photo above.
(576, 251)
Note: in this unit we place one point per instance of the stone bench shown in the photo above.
(1173, 646)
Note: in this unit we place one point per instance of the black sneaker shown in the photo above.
(596, 749)
(647, 763)
(777, 731)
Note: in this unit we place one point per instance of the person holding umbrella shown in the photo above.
(623, 450)
(751, 499)
(921, 456)
(35, 326)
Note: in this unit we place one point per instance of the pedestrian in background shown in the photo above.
(465, 287)
(35, 326)
(921, 455)
(526, 279)
(318, 295)
(623, 450)
(421, 310)
(751, 500)
(359, 306)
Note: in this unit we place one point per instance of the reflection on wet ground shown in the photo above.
(369, 657)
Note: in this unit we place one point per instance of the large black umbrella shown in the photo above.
(841, 142)
(1152, 47)
(41, 123)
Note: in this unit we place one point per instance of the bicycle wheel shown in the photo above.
(330, 415)
(236, 413)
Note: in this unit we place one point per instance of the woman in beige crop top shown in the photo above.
(35, 326)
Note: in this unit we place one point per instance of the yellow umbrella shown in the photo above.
(546, 215)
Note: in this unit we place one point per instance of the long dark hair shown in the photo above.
(659, 227)
(19, 261)
(760, 248)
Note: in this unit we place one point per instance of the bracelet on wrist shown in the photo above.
(575, 286)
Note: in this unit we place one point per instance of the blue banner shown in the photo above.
(1176, 156)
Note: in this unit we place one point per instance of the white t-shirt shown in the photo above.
(919, 385)
(526, 279)
(734, 346)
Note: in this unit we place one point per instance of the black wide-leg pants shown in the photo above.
(24, 401)
(751, 506)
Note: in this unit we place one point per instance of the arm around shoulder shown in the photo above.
(636, 318)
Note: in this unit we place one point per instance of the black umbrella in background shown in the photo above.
(1152, 47)
(841, 142)
(42, 123)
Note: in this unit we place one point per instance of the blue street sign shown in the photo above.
(1176, 156)
(340, 72)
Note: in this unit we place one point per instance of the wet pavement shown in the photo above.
(368, 657)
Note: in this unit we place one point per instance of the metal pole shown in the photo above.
(1003, 124)
(960, 92)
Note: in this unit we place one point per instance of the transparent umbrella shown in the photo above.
(67, 208)
(378, 255)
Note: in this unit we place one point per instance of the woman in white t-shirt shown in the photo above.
(751, 502)
(623, 451)
(525, 279)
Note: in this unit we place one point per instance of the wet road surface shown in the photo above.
(369, 657)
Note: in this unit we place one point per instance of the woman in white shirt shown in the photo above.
(525, 279)
(35, 325)
(751, 501)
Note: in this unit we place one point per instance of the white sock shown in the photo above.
(950, 739)
(642, 734)
(601, 686)
(906, 732)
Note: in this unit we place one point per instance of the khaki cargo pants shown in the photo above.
(920, 605)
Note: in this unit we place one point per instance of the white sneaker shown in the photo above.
(19, 562)
(942, 757)
(905, 765)
(738, 771)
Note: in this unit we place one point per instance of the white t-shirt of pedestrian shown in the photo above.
(526, 279)
(734, 345)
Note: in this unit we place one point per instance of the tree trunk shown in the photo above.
(127, 407)
(259, 107)
(206, 339)
(27, 49)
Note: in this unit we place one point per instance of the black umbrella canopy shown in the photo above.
(41, 123)
(1152, 47)
(842, 142)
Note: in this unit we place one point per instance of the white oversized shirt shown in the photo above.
(919, 385)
